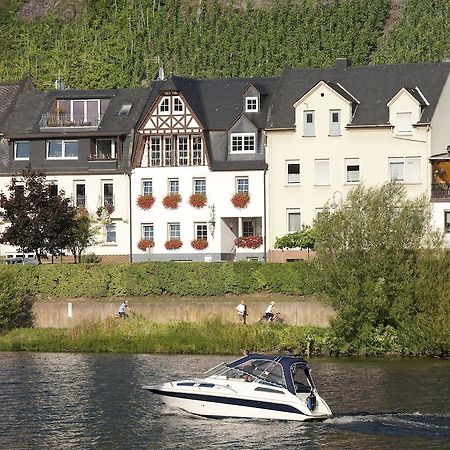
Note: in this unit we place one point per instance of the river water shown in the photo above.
(71, 401)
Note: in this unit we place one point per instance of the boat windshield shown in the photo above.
(259, 370)
(301, 378)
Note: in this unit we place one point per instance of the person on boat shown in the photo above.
(270, 311)
(242, 312)
(123, 310)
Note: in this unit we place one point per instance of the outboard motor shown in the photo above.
(311, 402)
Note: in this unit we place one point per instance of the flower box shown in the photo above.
(198, 200)
(171, 201)
(249, 241)
(145, 201)
(199, 244)
(109, 208)
(173, 244)
(240, 199)
(144, 244)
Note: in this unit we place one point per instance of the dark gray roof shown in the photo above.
(217, 103)
(27, 112)
(373, 86)
(8, 95)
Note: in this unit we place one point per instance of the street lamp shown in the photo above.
(212, 219)
(334, 203)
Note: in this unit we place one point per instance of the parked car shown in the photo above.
(20, 261)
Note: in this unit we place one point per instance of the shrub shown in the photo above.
(171, 201)
(249, 241)
(198, 200)
(145, 201)
(144, 244)
(173, 244)
(240, 199)
(199, 244)
(91, 258)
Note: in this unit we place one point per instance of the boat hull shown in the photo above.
(216, 406)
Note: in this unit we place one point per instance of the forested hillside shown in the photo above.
(117, 43)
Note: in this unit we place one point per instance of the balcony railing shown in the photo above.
(68, 121)
(440, 191)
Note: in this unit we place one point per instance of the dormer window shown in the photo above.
(243, 143)
(178, 107)
(403, 123)
(251, 104)
(164, 106)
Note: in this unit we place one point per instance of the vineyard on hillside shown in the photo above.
(118, 43)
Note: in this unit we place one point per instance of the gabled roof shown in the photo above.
(26, 114)
(373, 86)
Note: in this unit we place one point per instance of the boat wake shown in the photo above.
(394, 424)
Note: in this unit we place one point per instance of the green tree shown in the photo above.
(41, 220)
(85, 234)
(374, 256)
(304, 239)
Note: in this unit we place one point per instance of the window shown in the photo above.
(53, 189)
(108, 194)
(335, 122)
(251, 104)
(183, 151)
(147, 231)
(248, 228)
(293, 172)
(155, 149)
(174, 186)
(242, 185)
(105, 149)
(403, 124)
(147, 186)
(125, 109)
(22, 150)
(293, 220)
(62, 149)
(199, 186)
(322, 172)
(405, 169)
(243, 143)
(164, 106)
(168, 152)
(80, 194)
(178, 106)
(174, 231)
(308, 123)
(197, 151)
(447, 221)
(110, 233)
(318, 212)
(352, 170)
(201, 231)
(86, 112)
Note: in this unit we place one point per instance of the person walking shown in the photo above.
(242, 312)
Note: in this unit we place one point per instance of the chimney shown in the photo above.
(343, 62)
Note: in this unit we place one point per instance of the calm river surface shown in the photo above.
(65, 401)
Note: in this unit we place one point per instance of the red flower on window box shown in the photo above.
(249, 241)
(240, 199)
(145, 201)
(198, 200)
(109, 208)
(199, 244)
(144, 244)
(173, 244)
(171, 201)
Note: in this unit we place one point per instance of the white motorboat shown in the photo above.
(255, 386)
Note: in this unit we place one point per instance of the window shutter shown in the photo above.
(412, 170)
(322, 171)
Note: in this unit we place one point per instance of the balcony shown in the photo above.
(440, 191)
(69, 122)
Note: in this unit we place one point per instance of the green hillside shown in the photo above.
(117, 43)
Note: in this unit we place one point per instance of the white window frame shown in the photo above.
(245, 221)
(173, 230)
(403, 123)
(81, 204)
(197, 151)
(106, 197)
(201, 230)
(290, 212)
(168, 151)
(177, 105)
(183, 160)
(172, 182)
(335, 127)
(164, 106)
(318, 211)
(309, 128)
(63, 149)
(16, 143)
(147, 186)
(195, 184)
(238, 142)
(113, 233)
(113, 147)
(147, 231)
(352, 162)
(155, 151)
(410, 167)
(251, 104)
(324, 178)
(238, 184)
(447, 221)
(292, 180)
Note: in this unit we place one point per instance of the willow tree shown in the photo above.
(377, 256)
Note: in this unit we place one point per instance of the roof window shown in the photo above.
(125, 109)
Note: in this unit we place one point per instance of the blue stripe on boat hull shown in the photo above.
(229, 401)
